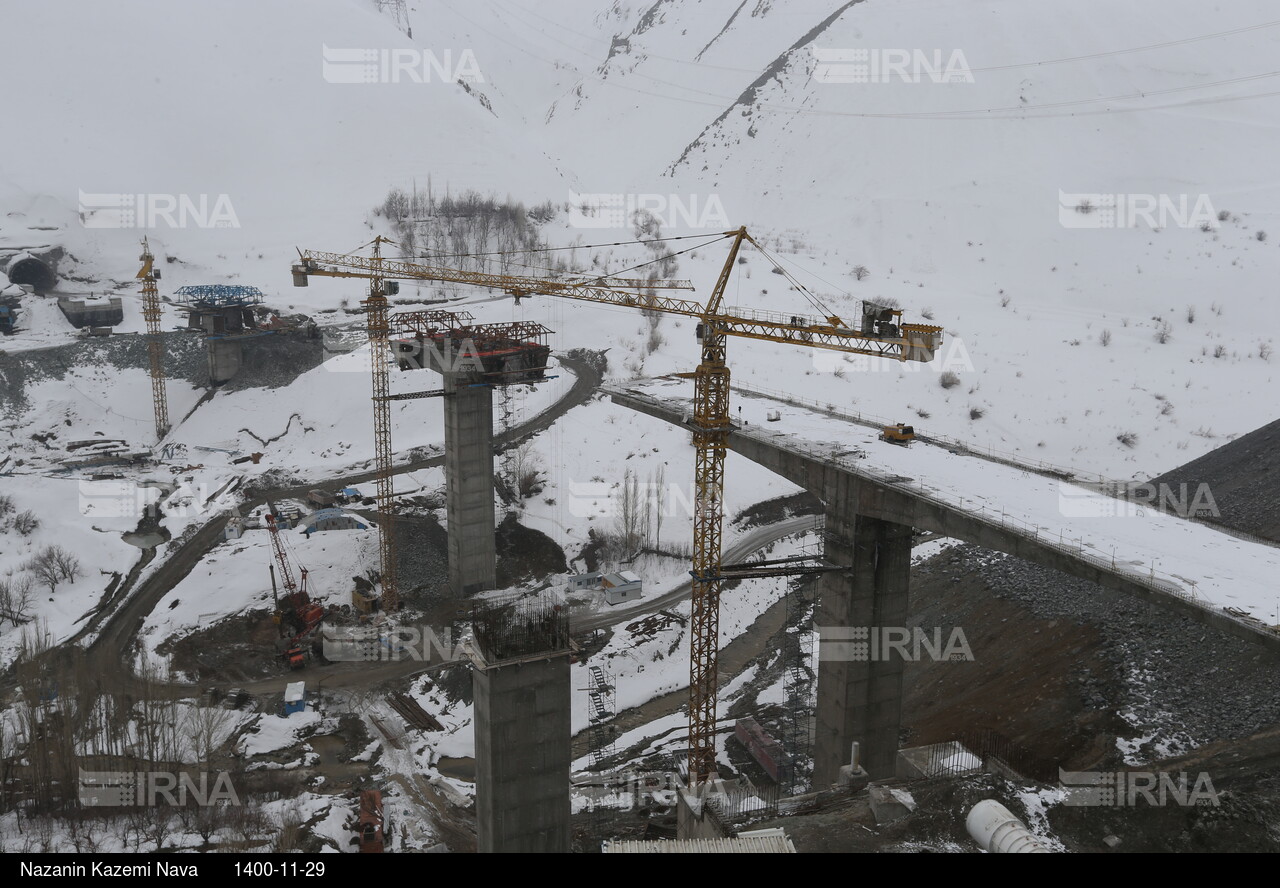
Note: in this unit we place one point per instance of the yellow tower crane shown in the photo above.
(879, 333)
(149, 274)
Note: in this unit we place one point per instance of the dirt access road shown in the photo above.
(117, 628)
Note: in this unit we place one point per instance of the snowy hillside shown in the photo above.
(947, 193)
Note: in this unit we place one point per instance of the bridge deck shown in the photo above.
(1016, 511)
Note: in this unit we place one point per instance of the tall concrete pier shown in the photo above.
(472, 359)
(520, 685)
(468, 455)
(860, 695)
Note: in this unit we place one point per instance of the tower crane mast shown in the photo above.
(151, 313)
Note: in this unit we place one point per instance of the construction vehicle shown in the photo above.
(370, 825)
(898, 434)
(298, 607)
(880, 334)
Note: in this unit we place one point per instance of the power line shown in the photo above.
(1034, 64)
(626, 243)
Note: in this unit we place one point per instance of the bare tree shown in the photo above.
(646, 513)
(206, 726)
(204, 820)
(150, 824)
(44, 567)
(248, 823)
(525, 468)
(660, 504)
(289, 833)
(630, 513)
(15, 598)
(67, 564)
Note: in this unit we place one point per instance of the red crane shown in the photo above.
(306, 612)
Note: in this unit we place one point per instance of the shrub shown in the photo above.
(1105, 337)
(976, 413)
(26, 522)
(1128, 439)
(948, 379)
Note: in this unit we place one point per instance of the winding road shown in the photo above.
(117, 627)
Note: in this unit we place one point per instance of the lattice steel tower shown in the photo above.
(155, 347)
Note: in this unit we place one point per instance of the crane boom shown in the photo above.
(282, 560)
(614, 291)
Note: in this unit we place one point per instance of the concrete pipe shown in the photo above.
(994, 828)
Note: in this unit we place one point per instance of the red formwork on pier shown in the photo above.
(763, 748)
(497, 354)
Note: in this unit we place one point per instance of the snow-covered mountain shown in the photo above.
(961, 199)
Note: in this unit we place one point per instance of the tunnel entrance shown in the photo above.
(33, 272)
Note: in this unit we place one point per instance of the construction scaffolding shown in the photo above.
(798, 687)
(431, 322)
(379, 331)
(223, 311)
(601, 708)
(799, 680)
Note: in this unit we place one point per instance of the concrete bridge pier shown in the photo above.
(224, 359)
(468, 449)
(859, 684)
